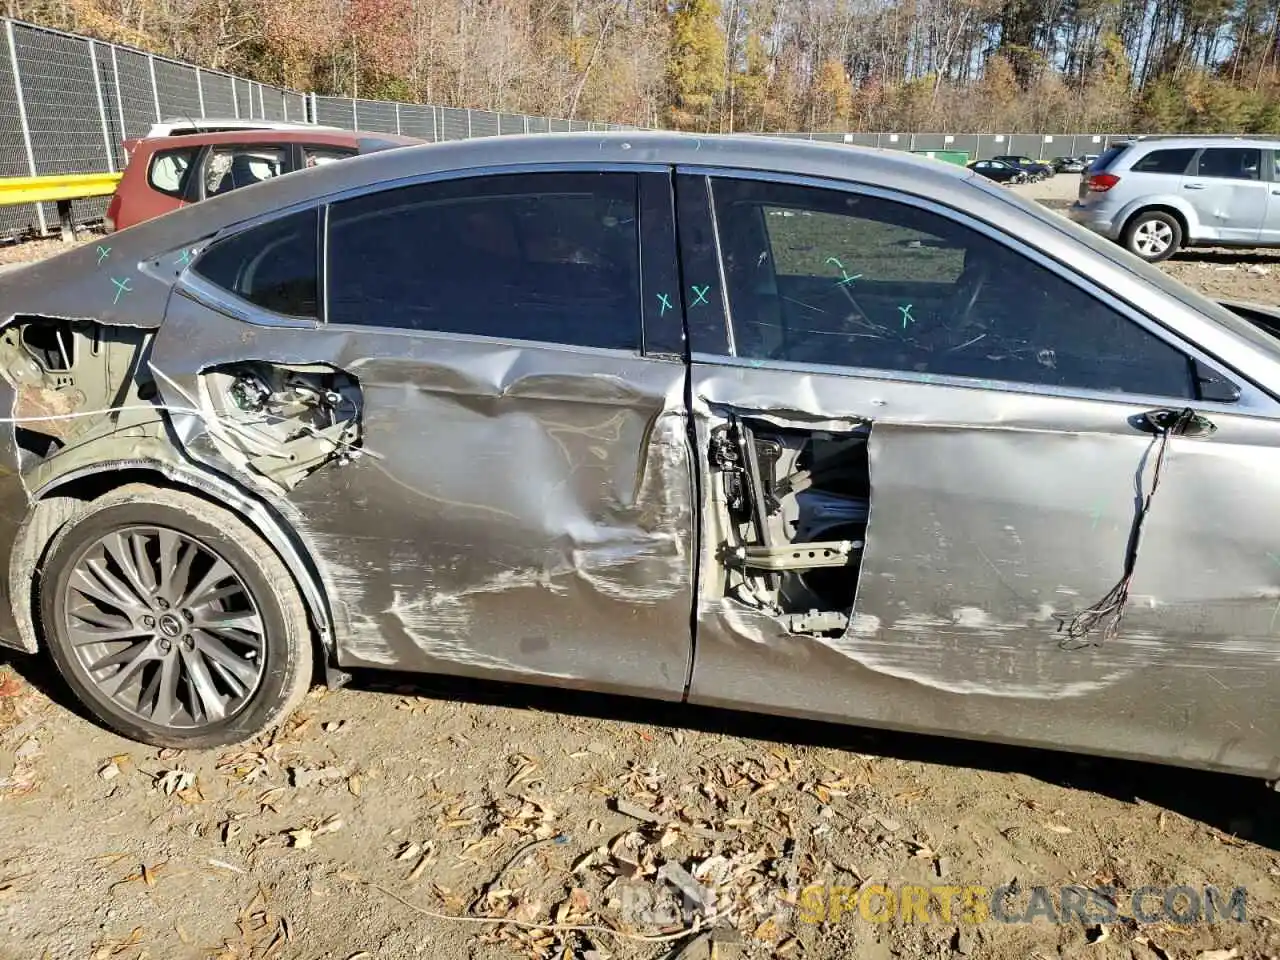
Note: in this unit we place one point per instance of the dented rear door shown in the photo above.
(504, 479)
(922, 447)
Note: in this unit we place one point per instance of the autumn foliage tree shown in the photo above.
(756, 65)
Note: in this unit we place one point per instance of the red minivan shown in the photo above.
(164, 173)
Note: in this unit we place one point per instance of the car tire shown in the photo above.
(1153, 235)
(172, 621)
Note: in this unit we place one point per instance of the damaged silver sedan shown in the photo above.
(795, 428)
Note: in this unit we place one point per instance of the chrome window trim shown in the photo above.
(1251, 400)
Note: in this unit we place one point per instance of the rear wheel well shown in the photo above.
(51, 513)
(1159, 208)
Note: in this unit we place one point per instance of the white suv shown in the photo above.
(1155, 195)
(186, 126)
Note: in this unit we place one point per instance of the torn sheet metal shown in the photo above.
(990, 524)
(519, 512)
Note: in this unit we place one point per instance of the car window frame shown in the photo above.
(1193, 161)
(286, 147)
(653, 332)
(298, 155)
(1193, 169)
(209, 294)
(1199, 360)
(184, 184)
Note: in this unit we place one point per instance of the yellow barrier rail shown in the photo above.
(60, 189)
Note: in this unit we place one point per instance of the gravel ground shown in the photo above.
(383, 808)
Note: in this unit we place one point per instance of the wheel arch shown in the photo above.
(59, 502)
(1174, 210)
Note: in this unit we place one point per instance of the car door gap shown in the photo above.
(791, 506)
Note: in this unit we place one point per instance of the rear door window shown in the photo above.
(1165, 161)
(551, 257)
(1231, 163)
(169, 169)
(232, 167)
(317, 156)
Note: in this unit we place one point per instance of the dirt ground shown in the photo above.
(1238, 274)
(382, 810)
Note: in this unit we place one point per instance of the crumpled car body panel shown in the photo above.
(606, 520)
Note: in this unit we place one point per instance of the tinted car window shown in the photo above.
(168, 172)
(273, 265)
(1164, 161)
(1235, 163)
(549, 257)
(828, 277)
(1104, 159)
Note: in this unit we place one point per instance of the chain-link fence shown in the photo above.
(67, 103)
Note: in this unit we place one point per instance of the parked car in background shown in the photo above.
(1034, 169)
(1067, 165)
(999, 171)
(168, 172)
(798, 428)
(1156, 195)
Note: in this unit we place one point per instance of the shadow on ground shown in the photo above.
(1228, 257)
(1238, 806)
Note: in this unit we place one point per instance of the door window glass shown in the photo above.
(230, 168)
(830, 277)
(273, 265)
(550, 257)
(1233, 163)
(169, 170)
(319, 156)
(1164, 161)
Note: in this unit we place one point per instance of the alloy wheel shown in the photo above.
(163, 625)
(1152, 238)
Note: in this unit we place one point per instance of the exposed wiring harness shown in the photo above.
(1109, 611)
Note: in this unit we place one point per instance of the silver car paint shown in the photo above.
(543, 527)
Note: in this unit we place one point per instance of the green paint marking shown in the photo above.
(906, 315)
(666, 304)
(122, 287)
(701, 294)
(103, 253)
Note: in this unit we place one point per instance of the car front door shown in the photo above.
(1226, 188)
(518, 501)
(1270, 233)
(922, 445)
